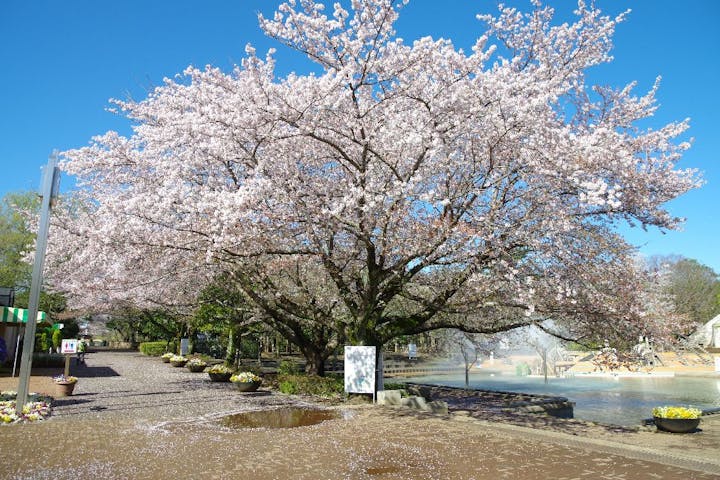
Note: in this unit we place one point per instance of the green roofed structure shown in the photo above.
(19, 315)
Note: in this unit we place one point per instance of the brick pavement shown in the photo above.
(138, 418)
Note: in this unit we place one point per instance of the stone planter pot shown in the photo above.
(196, 368)
(64, 389)
(165, 360)
(181, 363)
(676, 425)
(247, 386)
(220, 377)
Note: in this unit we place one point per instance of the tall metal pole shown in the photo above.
(48, 192)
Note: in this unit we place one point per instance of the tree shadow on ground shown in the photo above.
(83, 371)
(65, 401)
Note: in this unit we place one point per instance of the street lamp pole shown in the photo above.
(48, 193)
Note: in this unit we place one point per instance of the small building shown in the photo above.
(708, 335)
(12, 326)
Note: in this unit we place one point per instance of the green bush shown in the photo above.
(288, 367)
(288, 387)
(153, 349)
(394, 386)
(311, 385)
(56, 339)
(41, 342)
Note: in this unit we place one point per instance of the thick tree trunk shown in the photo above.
(315, 363)
(231, 351)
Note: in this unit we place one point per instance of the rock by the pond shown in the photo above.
(417, 403)
(439, 407)
(389, 397)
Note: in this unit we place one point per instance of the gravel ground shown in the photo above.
(134, 417)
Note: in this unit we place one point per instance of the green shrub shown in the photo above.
(56, 339)
(41, 342)
(311, 385)
(288, 367)
(288, 387)
(394, 386)
(153, 349)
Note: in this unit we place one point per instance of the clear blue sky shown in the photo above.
(60, 62)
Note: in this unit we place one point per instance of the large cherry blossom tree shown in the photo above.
(400, 189)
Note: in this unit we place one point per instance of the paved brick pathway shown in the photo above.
(134, 417)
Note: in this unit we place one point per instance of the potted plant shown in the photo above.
(64, 385)
(220, 373)
(676, 419)
(165, 357)
(196, 365)
(246, 381)
(178, 361)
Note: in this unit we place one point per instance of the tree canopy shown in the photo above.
(403, 188)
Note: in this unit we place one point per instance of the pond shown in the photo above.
(616, 400)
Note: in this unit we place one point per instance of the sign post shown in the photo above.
(68, 347)
(360, 370)
(412, 351)
(48, 192)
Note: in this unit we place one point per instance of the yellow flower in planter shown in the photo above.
(677, 412)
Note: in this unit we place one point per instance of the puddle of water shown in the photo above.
(289, 417)
(382, 470)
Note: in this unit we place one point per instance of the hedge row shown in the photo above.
(311, 385)
(155, 349)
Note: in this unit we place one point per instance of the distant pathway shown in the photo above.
(145, 387)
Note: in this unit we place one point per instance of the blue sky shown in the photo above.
(62, 60)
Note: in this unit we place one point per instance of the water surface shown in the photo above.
(617, 400)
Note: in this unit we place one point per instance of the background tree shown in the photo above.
(226, 312)
(468, 348)
(694, 288)
(16, 241)
(135, 325)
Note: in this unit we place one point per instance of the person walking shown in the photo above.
(80, 352)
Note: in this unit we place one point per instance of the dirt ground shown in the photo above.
(135, 417)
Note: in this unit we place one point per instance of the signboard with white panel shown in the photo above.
(69, 346)
(360, 369)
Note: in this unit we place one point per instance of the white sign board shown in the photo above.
(69, 345)
(184, 346)
(412, 350)
(717, 364)
(360, 369)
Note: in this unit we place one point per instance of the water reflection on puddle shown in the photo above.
(288, 417)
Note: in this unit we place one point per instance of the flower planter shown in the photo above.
(178, 363)
(165, 360)
(64, 389)
(196, 368)
(220, 377)
(247, 386)
(676, 425)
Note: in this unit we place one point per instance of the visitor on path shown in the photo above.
(80, 352)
